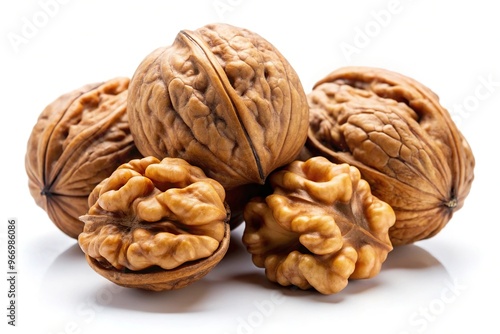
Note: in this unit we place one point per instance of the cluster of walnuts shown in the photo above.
(152, 173)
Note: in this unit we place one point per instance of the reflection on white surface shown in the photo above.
(411, 279)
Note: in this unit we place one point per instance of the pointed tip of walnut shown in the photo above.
(165, 279)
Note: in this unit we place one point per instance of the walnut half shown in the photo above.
(319, 227)
(156, 225)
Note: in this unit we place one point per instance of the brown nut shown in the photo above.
(78, 140)
(222, 98)
(155, 225)
(405, 144)
(319, 228)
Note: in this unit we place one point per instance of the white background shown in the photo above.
(447, 284)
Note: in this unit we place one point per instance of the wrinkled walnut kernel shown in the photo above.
(157, 216)
(320, 227)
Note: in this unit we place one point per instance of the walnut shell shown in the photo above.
(78, 140)
(222, 98)
(155, 225)
(320, 227)
(405, 144)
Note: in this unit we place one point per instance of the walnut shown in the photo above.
(222, 98)
(405, 144)
(155, 225)
(320, 227)
(78, 140)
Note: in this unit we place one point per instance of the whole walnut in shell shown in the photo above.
(155, 225)
(320, 227)
(405, 144)
(222, 98)
(79, 140)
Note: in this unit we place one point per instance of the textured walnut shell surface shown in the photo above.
(79, 140)
(320, 227)
(405, 144)
(222, 98)
(155, 224)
